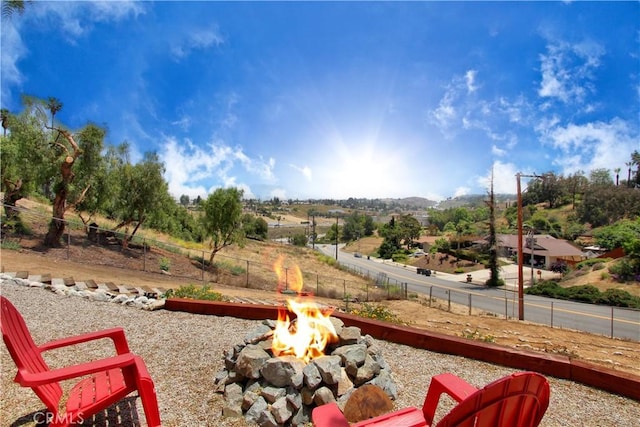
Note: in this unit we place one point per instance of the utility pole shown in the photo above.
(521, 248)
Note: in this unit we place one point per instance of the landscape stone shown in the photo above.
(250, 360)
(367, 402)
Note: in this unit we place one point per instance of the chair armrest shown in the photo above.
(115, 334)
(28, 379)
(328, 415)
(447, 383)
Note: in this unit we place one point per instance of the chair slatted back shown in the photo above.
(518, 400)
(26, 354)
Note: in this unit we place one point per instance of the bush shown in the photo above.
(400, 257)
(622, 270)
(619, 298)
(548, 288)
(378, 312)
(592, 262)
(584, 293)
(196, 292)
(10, 245)
(165, 264)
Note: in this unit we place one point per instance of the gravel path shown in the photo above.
(183, 353)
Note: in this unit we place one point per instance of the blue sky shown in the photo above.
(340, 99)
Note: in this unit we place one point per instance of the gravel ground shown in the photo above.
(183, 353)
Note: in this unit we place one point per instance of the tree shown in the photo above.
(70, 151)
(9, 7)
(410, 229)
(353, 227)
(617, 171)
(184, 200)
(493, 265)
(618, 235)
(368, 225)
(24, 155)
(54, 105)
(4, 116)
(221, 219)
(88, 192)
(142, 190)
(601, 177)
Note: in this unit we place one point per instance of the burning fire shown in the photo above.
(307, 336)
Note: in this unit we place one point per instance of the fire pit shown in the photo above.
(284, 368)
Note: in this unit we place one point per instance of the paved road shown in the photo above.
(604, 320)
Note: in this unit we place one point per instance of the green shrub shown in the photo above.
(400, 257)
(598, 266)
(584, 293)
(378, 312)
(234, 269)
(196, 292)
(476, 335)
(10, 245)
(548, 288)
(458, 270)
(622, 270)
(619, 298)
(165, 264)
(592, 262)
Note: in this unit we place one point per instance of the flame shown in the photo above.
(283, 276)
(307, 336)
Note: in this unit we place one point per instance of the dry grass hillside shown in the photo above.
(84, 261)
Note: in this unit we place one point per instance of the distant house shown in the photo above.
(546, 251)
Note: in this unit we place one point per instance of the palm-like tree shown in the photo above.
(629, 164)
(11, 6)
(54, 105)
(617, 171)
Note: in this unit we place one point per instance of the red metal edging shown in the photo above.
(618, 382)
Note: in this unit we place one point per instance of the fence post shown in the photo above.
(247, 273)
(552, 314)
(317, 284)
(286, 278)
(430, 293)
(344, 288)
(68, 245)
(449, 304)
(469, 304)
(202, 259)
(611, 321)
(506, 309)
(144, 254)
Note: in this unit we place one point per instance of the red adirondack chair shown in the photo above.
(518, 400)
(105, 381)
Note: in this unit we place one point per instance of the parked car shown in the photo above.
(357, 254)
(424, 271)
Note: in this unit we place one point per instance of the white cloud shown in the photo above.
(78, 18)
(194, 170)
(461, 191)
(470, 78)
(304, 170)
(195, 40)
(12, 50)
(71, 18)
(184, 123)
(496, 151)
(592, 145)
(504, 178)
(280, 193)
(567, 71)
